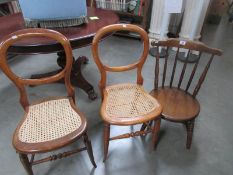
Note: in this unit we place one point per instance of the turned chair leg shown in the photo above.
(106, 139)
(146, 126)
(143, 127)
(26, 164)
(155, 132)
(87, 143)
(189, 127)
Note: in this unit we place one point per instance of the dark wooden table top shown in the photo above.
(79, 36)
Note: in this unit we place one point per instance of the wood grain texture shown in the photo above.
(79, 36)
(24, 148)
(177, 104)
(180, 105)
(122, 121)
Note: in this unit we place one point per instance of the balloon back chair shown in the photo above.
(48, 124)
(125, 104)
(179, 100)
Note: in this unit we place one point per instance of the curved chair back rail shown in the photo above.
(105, 68)
(190, 46)
(49, 124)
(22, 82)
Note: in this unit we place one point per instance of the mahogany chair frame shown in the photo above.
(102, 85)
(26, 149)
(190, 46)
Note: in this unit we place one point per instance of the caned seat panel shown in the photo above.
(128, 103)
(48, 121)
(49, 125)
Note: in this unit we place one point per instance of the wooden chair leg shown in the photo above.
(146, 126)
(106, 139)
(26, 164)
(155, 132)
(189, 127)
(87, 142)
(149, 125)
(143, 127)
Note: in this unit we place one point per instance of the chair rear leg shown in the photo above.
(106, 139)
(155, 132)
(143, 127)
(26, 164)
(146, 126)
(189, 127)
(87, 142)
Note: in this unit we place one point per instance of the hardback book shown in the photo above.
(53, 13)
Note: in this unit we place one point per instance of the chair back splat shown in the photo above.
(177, 45)
(105, 68)
(22, 82)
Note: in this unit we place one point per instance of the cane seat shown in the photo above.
(48, 121)
(128, 103)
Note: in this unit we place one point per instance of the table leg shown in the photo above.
(76, 78)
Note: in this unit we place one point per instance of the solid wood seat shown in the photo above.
(177, 104)
(48, 125)
(127, 104)
(178, 98)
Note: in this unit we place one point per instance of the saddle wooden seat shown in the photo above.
(177, 97)
(177, 104)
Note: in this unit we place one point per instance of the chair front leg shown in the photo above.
(88, 145)
(189, 127)
(155, 132)
(106, 139)
(26, 164)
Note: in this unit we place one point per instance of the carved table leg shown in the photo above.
(76, 78)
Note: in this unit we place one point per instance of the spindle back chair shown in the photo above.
(190, 46)
(179, 102)
(48, 124)
(125, 104)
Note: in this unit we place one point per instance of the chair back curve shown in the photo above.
(177, 45)
(9, 40)
(136, 65)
